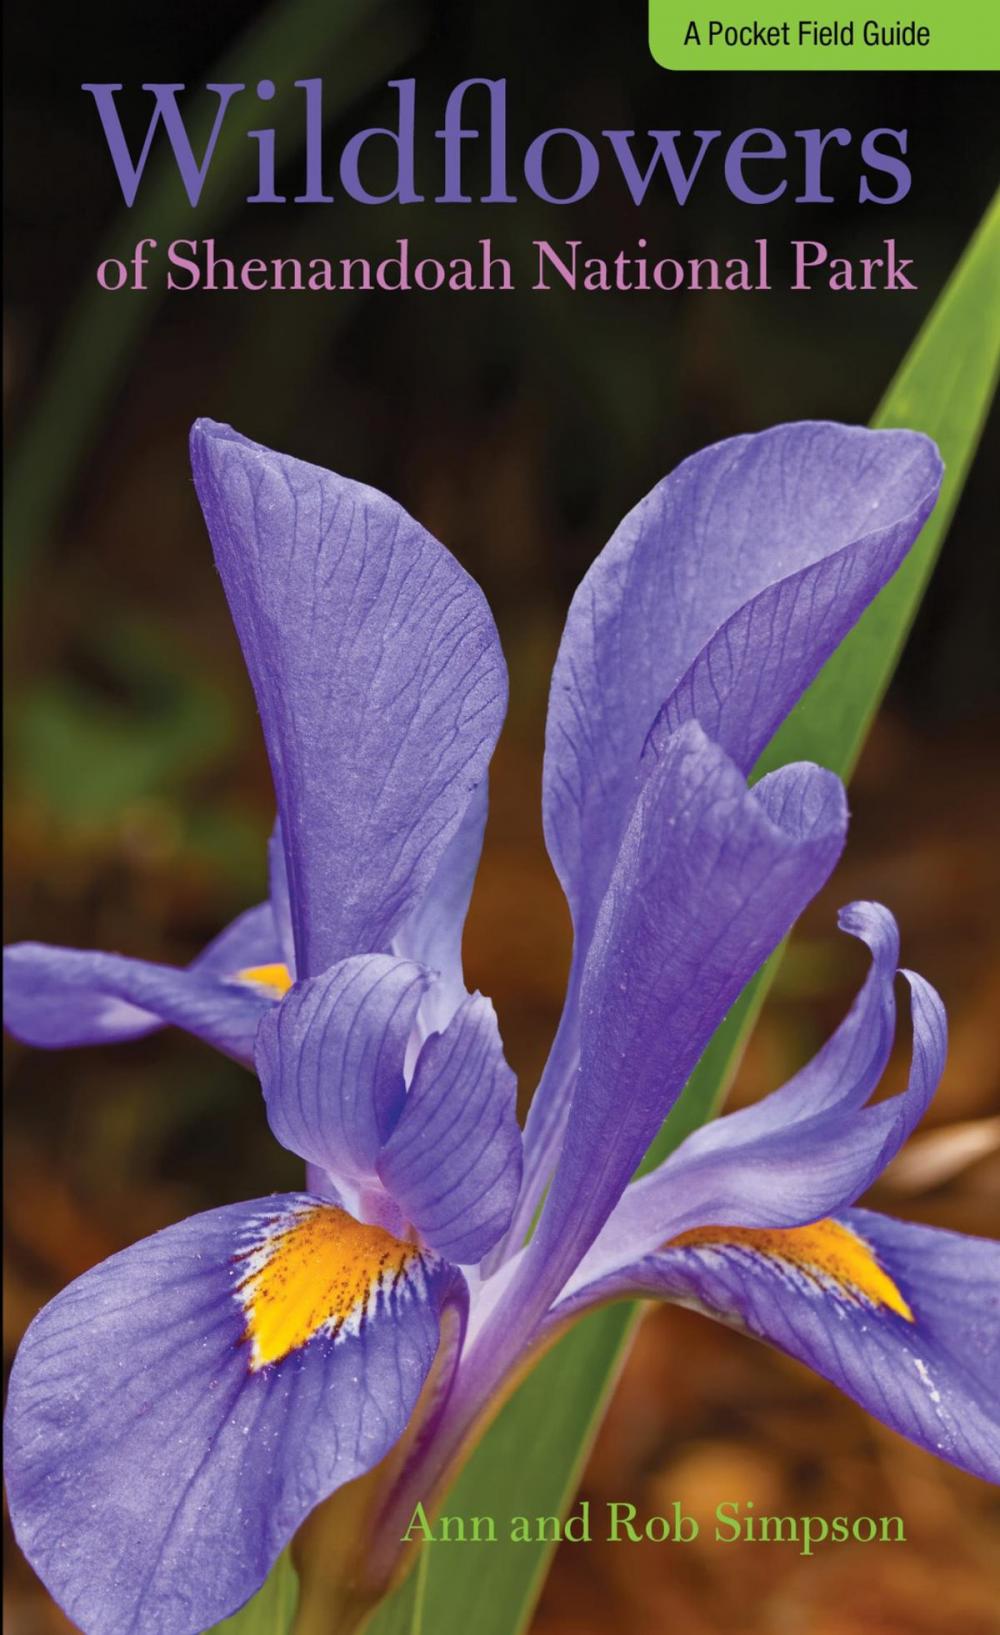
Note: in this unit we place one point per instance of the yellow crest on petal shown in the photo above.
(277, 979)
(312, 1270)
(825, 1251)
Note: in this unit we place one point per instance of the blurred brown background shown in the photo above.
(519, 428)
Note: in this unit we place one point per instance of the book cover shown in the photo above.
(501, 617)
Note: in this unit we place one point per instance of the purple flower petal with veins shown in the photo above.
(378, 676)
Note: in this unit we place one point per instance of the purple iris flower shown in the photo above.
(177, 1412)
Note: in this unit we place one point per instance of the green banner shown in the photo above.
(726, 34)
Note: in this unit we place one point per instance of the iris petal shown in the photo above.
(175, 1414)
(710, 877)
(378, 675)
(815, 515)
(717, 600)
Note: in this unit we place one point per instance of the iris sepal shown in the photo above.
(915, 1339)
(156, 1467)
